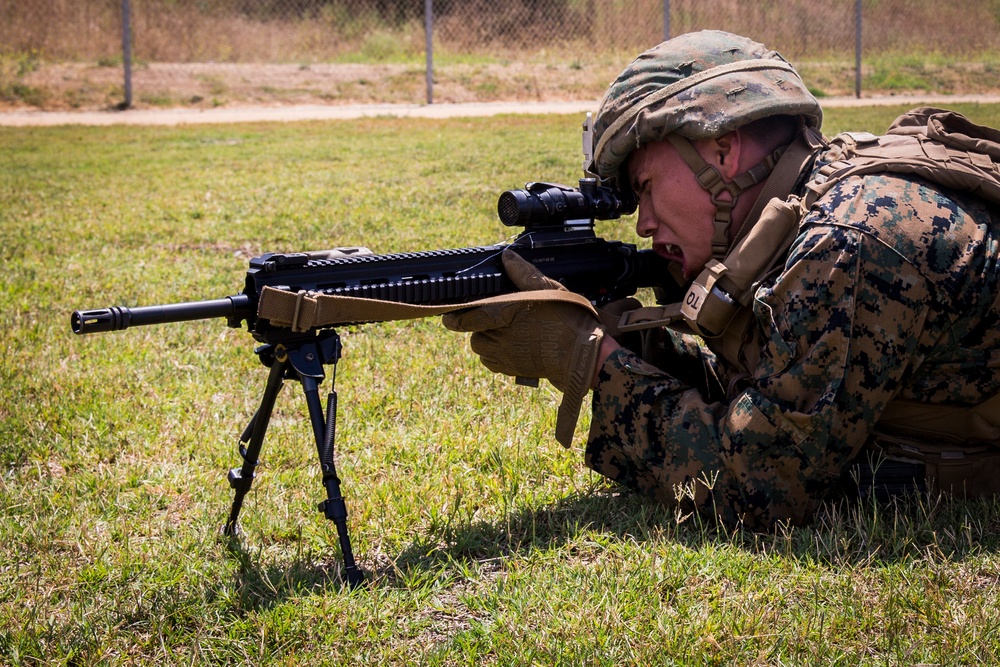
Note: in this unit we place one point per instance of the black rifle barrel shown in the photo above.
(117, 318)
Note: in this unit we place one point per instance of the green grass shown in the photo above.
(484, 542)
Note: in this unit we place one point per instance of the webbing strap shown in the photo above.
(784, 175)
(650, 317)
(712, 182)
(302, 311)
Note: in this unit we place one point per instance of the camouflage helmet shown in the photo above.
(699, 85)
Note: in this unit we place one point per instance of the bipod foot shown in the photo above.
(336, 511)
(230, 535)
(231, 531)
(355, 578)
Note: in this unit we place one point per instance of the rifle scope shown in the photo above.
(551, 204)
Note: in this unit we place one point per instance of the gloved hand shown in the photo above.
(555, 340)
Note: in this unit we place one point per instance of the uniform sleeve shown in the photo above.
(841, 328)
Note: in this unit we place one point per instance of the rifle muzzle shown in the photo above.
(117, 318)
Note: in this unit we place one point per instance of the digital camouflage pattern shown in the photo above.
(890, 290)
(699, 85)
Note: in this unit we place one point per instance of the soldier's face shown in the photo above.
(674, 211)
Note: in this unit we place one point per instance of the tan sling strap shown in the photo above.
(302, 311)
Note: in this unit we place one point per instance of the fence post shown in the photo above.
(857, 49)
(127, 52)
(429, 31)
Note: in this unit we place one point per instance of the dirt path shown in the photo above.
(286, 113)
(294, 113)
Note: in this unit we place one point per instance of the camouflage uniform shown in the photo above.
(890, 290)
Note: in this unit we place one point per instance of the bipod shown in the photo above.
(302, 360)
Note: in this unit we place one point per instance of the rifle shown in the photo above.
(558, 237)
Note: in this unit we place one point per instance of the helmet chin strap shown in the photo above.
(712, 182)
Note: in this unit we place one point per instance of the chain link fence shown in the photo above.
(69, 53)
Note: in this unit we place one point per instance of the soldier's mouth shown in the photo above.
(669, 251)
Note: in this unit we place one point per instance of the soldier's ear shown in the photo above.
(725, 153)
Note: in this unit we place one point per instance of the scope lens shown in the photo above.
(509, 207)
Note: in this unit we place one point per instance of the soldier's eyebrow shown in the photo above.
(638, 181)
(628, 173)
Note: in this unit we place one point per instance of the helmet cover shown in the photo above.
(700, 85)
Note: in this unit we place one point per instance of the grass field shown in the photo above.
(483, 541)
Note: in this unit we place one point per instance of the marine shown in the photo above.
(842, 295)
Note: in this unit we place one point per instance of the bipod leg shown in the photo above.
(241, 479)
(307, 362)
(334, 507)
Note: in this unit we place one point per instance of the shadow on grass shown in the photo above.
(258, 585)
(849, 533)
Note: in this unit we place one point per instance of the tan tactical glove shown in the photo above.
(558, 341)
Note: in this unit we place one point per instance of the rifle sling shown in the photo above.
(302, 311)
